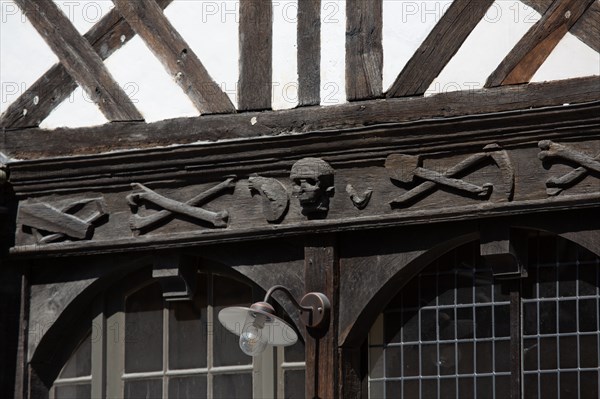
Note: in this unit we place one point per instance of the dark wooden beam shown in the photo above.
(79, 59)
(364, 49)
(110, 34)
(531, 51)
(587, 29)
(321, 274)
(148, 21)
(439, 47)
(256, 54)
(309, 52)
(36, 143)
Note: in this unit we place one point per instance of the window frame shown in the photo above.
(520, 291)
(108, 375)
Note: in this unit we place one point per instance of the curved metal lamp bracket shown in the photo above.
(315, 307)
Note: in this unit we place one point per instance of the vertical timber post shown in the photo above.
(321, 274)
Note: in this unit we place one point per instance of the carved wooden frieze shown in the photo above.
(74, 220)
(407, 169)
(171, 208)
(584, 165)
(275, 197)
(389, 188)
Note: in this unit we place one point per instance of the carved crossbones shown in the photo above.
(550, 150)
(405, 168)
(170, 206)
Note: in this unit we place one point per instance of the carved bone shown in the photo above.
(138, 222)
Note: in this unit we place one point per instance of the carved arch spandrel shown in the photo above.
(263, 264)
(369, 278)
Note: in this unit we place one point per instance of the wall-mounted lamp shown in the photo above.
(258, 326)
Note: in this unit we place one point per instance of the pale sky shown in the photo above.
(211, 30)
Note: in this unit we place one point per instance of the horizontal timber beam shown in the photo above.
(39, 143)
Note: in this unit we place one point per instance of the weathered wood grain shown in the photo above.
(256, 55)
(79, 59)
(439, 47)
(364, 49)
(45, 217)
(35, 143)
(148, 21)
(587, 29)
(110, 34)
(531, 51)
(366, 145)
(309, 52)
(321, 274)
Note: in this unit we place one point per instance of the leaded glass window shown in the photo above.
(447, 333)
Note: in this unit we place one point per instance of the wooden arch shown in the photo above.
(400, 255)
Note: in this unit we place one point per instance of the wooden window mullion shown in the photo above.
(515, 340)
(98, 339)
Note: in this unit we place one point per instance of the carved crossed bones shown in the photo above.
(189, 208)
(550, 150)
(405, 168)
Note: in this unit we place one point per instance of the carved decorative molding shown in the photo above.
(444, 186)
(407, 169)
(275, 198)
(313, 185)
(177, 275)
(74, 221)
(551, 151)
(140, 224)
(503, 249)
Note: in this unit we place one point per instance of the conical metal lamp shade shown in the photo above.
(277, 331)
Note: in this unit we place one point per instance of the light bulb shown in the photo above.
(253, 339)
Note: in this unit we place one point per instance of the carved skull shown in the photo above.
(312, 184)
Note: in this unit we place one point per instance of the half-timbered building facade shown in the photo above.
(456, 234)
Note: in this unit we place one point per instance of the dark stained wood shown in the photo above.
(531, 51)
(45, 217)
(256, 54)
(515, 341)
(108, 35)
(33, 143)
(177, 275)
(364, 49)
(80, 60)
(21, 375)
(587, 29)
(309, 52)
(502, 250)
(148, 21)
(321, 274)
(278, 154)
(439, 47)
(351, 373)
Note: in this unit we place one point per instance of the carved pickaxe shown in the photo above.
(407, 167)
(555, 185)
(189, 208)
